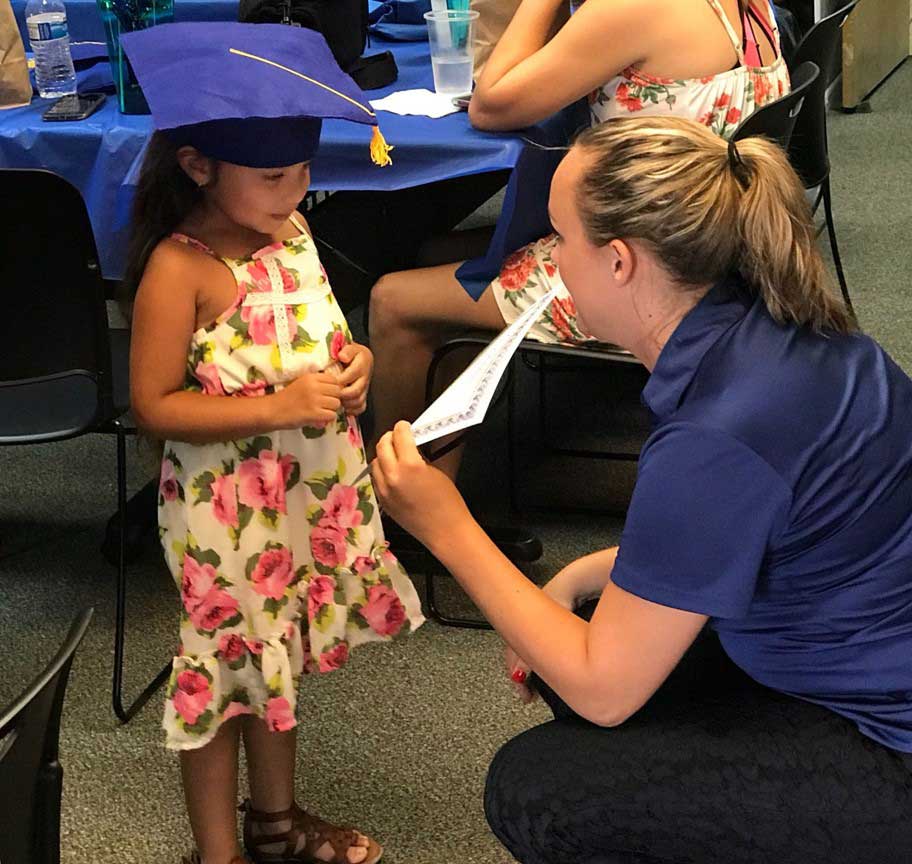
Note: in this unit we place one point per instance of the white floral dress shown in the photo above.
(278, 554)
(720, 102)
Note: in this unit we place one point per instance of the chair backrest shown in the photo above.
(30, 773)
(808, 147)
(776, 120)
(819, 43)
(55, 366)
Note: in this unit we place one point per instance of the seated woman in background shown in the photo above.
(714, 61)
(773, 500)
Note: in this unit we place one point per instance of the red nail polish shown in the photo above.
(518, 676)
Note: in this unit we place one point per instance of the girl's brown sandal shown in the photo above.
(315, 832)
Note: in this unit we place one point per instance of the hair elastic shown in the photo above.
(737, 165)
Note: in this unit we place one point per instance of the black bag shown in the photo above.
(343, 24)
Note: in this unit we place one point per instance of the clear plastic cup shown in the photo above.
(452, 37)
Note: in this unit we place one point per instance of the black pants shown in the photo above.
(714, 769)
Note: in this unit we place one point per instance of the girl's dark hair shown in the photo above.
(165, 196)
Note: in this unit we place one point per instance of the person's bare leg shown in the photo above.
(411, 313)
(210, 788)
(270, 765)
(271, 773)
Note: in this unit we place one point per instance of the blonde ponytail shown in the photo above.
(709, 208)
(779, 252)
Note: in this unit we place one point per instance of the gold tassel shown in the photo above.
(380, 150)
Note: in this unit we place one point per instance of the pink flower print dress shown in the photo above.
(720, 102)
(279, 556)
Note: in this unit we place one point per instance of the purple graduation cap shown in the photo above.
(251, 94)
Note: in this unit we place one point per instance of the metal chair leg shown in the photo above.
(430, 596)
(125, 713)
(543, 398)
(511, 439)
(817, 200)
(834, 247)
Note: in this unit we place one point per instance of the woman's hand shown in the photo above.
(518, 669)
(313, 399)
(358, 366)
(422, 499)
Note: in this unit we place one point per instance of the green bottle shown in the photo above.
(125, 16)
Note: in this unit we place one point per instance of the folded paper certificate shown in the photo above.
(465, 402)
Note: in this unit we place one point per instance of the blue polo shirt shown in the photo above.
(775, 496)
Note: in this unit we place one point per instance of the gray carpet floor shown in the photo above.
(399, 741)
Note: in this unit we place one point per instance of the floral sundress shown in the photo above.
(720, 102)
(278, 554)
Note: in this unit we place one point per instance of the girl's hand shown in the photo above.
(422, 499)
(313, 399)
(358, 363)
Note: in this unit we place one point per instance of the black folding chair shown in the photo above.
(820, 42)
(776, 120)
(808, 150)
(63, 373)
(31, 778)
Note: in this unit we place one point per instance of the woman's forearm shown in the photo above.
(529, 29)
(553, 640)
(534, 23)
(583, 579)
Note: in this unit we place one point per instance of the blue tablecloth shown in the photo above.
(102, 155)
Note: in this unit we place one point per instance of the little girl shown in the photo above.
(242, 362)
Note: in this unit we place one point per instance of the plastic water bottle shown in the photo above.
(46, 21)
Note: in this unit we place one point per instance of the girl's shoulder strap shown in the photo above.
(192, 242)
(296, 221)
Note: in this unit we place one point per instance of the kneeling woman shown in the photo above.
(773, 501)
